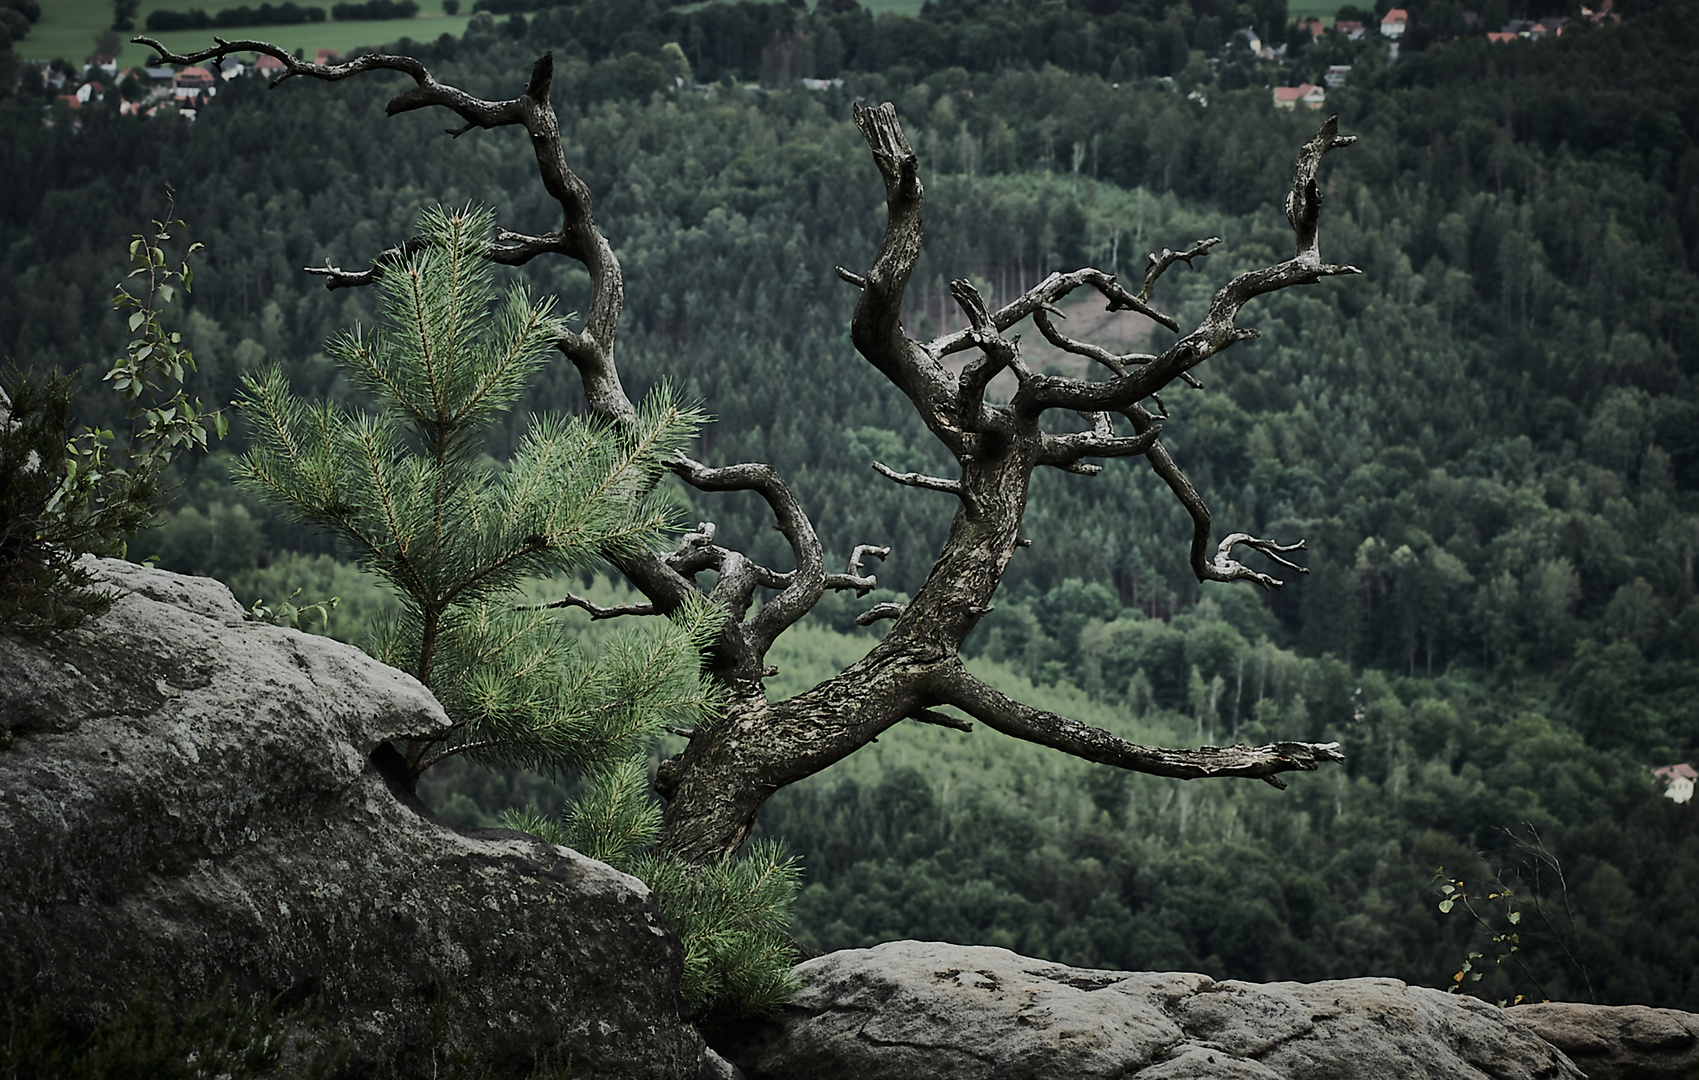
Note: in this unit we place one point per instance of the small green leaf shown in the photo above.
(136, 320)
(1445, 906)
(1515, 916)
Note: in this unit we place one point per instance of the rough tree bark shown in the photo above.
(717, 785)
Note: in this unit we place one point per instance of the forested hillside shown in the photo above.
(1490, 440)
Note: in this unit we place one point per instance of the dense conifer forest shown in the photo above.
(1490, 439)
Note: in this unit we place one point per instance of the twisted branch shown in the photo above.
(919, 480)
(1004, 714)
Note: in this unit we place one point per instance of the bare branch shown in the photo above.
(592, 349)
(997, 354)
(919, 480)
(802, 588)
(1045, 295)
(1217, 330)
(1010, 717)
(1066, 451)
(855, 579)
(1303, 203)
(1159, 263)
(863, 550)
(879, 611)
(938, 719)
(338, 278)
(597, 611)
(1225, 568)
(854, 279)
(1222, 567)
(876, 328)
(1117, 364)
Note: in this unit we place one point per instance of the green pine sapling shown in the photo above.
(410, 492)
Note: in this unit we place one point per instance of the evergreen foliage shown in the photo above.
(410, 492)
(731, 916)
(456, 535)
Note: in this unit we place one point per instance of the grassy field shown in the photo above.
(68, 29)
(1313, 9)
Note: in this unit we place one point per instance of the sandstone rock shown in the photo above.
(188, 797)
(1619, 1042)
(911, 1010)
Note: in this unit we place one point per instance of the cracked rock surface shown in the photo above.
(188, 797)
(913, 1010)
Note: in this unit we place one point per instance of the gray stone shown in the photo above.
(187, 797)
(1619, 1042)
(909, 1010)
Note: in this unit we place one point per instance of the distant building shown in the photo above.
(1290, 97)
(1336, 75)
(1501, 36)
(327, 56)
(100, 62)
(192, 82)
(1315, 26)
(269, 66)
(1351, 28)
(1678, 781)
(1394, 22)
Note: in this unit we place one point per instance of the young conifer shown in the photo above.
(410, 491)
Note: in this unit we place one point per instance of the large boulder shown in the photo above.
(910, 1010)
(189, 798)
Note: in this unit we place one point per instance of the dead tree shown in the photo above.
(717, 785)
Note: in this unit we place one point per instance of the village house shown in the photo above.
(269, 66)
(1678, 781)
(327, 56)
(1336, 75)
(1290, 97)
(1394, 23)
(192, 82)
(1351, 28)
(100, 62)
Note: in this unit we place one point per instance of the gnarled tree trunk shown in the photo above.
(717, 785)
